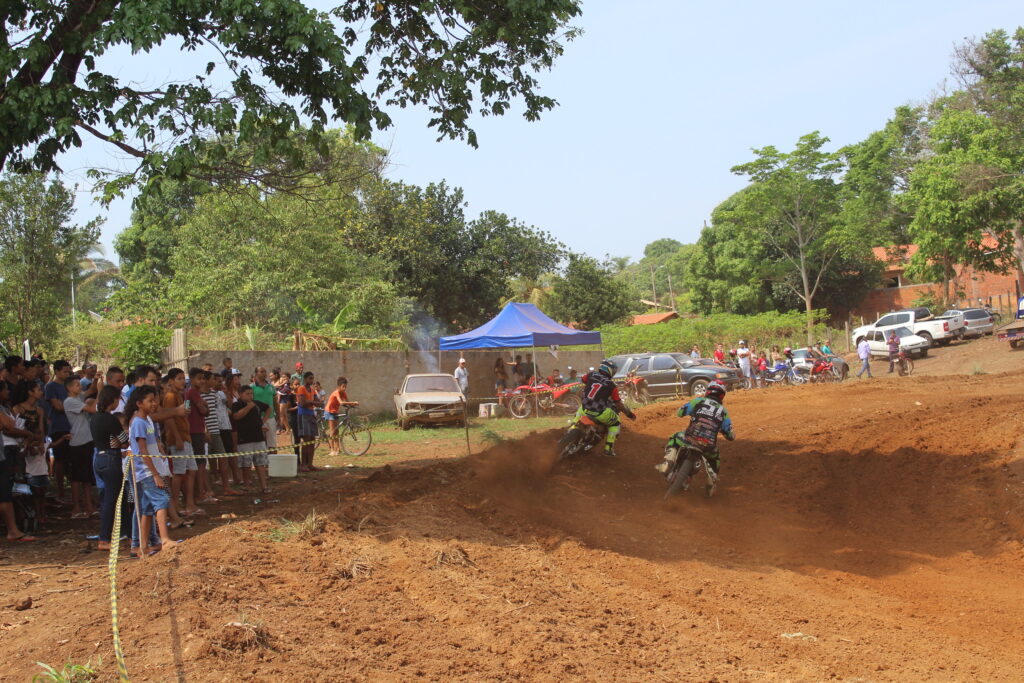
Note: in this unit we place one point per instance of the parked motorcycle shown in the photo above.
(777, 375)
(561, 400)
(688, 462)
(635, 388)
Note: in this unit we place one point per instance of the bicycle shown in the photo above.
(353, 434)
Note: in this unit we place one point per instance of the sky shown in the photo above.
(657, 101)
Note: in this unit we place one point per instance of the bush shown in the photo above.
(140, 344)
(760, 331)
(93, 340)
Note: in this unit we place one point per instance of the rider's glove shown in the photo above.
(730, 436)
(631, 415)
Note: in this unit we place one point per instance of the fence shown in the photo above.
(375, 375)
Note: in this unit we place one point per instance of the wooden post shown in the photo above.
(846, 326)
(465, 423)
(179, 351)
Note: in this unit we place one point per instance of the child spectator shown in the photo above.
(248, 416)
(214, 437)
(80, 449)
(110, 438)
(197, 410)
(332, 412)
(176, 434)
(151, 472)
(27, 397)
(719, 354)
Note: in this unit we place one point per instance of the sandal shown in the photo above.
(24, 538)
(209, 500)
(181, 523)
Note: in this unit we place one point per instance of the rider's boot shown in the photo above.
(609, 450)
(671, 453)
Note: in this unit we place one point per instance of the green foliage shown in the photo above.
(140, 343)
(588, 295)
(680, 335)
(69, 673)
(274, 67)
(40, 250)
(94, 341)
(660, 272)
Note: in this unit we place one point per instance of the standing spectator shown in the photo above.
(743, 358)
(88, 377)
(26, 406)
(893, 345)
(527, 369)
(462, 376)
(15, 367)
(719, 354)
(214, 437)
(293, 414)
(555, 379)
(695, 352)
(307, 405)
(264, 391)
(225, 398)
(500, 376)
(228, 367)
(297, 375)
(110, 438)
(150, 471)
(13, 437)
(80, 448)
(176, 434)
(774, 357)
(864, 353)
(517, 371)
(247, 415)
(197, 411)
(762, 367)
(59, 429)
(573, 375)
(207, 367)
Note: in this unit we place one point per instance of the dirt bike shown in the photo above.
(581, 437)
(635, 388)
(823, 371)
(777, 375)
(904, 363)
(690, 460)
(561, 400)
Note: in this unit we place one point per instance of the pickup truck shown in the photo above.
(1013, 331)
(920, 321)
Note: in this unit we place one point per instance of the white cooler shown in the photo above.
(488, 410)
(283, 465)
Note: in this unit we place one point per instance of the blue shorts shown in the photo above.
(153, 497)
(38, 481)
(330, 416)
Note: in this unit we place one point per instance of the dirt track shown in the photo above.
(863, 531)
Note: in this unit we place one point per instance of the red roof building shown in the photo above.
(653, 318)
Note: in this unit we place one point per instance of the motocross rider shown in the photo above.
(602, 404)
(708, 417)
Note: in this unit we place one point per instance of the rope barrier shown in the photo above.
(115, 544)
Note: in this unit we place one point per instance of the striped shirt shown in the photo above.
(212, 424)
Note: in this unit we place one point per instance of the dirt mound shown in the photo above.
(861, 531)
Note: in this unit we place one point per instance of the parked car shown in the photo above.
(673, 374)
(878, 342)
(803, 362)
(429, 399)
(977, 321)
(920, 321)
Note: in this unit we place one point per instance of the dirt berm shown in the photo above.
(863, 531)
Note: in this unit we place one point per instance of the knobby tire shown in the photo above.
(682, 476)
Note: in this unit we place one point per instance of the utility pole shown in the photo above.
(654, 291)
(671, 294)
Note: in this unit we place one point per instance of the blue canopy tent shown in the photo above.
(519, 326)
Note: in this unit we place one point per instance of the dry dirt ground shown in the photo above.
(866, 531)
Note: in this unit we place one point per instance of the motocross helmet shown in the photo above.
(732, 352)
(788, 351)
(716, 391)
(608, 367)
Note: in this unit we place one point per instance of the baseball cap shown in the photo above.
(298, 365)
(462, 360)
(236, 371)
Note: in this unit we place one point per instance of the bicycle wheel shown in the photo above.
(356, 437)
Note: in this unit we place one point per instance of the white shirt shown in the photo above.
(222, 412)
(744, 355)
(462, 377)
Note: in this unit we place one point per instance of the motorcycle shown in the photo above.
(584, 434)
(688, 461)
(635, 388)
(777, 375)
(823, 371)
(904, 363)
(560, 400)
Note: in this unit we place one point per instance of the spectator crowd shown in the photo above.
(67, 433)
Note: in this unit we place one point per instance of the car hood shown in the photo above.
(912, 340)
(431, 397)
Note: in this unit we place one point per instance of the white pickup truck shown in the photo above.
(937, 330)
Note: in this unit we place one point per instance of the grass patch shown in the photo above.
(312, 525)
(70, 673)
(978, 369)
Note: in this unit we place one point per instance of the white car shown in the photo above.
(909, 342)
(430, 399)
(920, 321)
(977, 321)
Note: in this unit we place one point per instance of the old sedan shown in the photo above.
(430, 399)
(675, 374)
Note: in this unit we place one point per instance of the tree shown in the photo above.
(588, 295)
(456, 58)
(794, 205)
(41, 251)
(458, 271)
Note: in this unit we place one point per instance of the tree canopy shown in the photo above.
(278, 75)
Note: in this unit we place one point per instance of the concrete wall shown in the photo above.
(374, 375)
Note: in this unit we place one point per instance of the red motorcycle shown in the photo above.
(635, 389)
(904, 363)
(545, 398)
(822, 371)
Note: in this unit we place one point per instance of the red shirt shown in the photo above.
(196, 420)
(720, 355)
(335, 400)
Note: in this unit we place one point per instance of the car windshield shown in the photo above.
(415, 385)
(801, 354)
(902, 332)
(976, 314)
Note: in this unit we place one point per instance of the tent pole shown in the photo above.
(439, 358)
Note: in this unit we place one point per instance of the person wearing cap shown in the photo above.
(743, 357)
(297, 375)
(462, 376)
(88, 376)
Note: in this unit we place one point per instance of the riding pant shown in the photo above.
(609, 418)
(678, 440)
